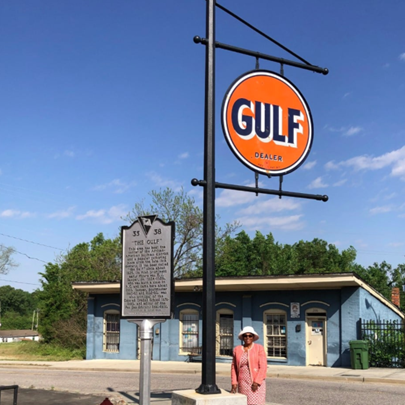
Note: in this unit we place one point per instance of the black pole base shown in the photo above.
(207, 389)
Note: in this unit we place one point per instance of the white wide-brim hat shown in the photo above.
(248, 329)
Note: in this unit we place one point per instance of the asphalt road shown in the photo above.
(279, 391)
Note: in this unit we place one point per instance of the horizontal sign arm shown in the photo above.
(259, 55)
(318, 197)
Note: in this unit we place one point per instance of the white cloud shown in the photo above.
(103, 216)
(62, 214)
(197, 193)
(160, 181)
(16, 214)
(1, 172)
(331, 165)
(346, 95)
(309, 165)
(118, 186)
(402, 56)
(230, 198)
(396, 244)
(333, 129)
(184, 155)
(395, 159)
(69, 153)
(290, 223)
(317, 183)
(381, 210)
(340, 183)
(345, 131)
(271, 206)
(390, 196)
(361, 244)
(353, 131)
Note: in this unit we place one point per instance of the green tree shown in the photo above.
(320, 257)
(63, 310)
(236, 257)
(263, 256)
(378, 276)
(17, 307)
(188, 217)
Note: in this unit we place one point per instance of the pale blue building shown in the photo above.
(302, 320)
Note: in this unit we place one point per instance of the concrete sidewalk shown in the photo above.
(371, 375)
(380, 375)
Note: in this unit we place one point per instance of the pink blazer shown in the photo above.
(257, 363)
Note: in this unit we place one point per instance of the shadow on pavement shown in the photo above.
(154, 397)
(45, 397)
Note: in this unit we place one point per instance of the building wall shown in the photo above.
(18, 339)
(343, 307)
(372, 309)
(97, 305)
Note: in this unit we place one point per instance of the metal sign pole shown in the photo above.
(146, 326)
(208, 384)
(147, 285)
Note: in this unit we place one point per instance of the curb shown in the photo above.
(292, 376)
(338, 378)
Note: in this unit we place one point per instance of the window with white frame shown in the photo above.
(275, 326)
(189, 329)
(224, 332)
(111, 331)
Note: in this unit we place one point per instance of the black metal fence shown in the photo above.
(386, 342)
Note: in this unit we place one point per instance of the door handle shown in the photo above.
(309, 342)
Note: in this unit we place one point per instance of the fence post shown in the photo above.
(359, 329)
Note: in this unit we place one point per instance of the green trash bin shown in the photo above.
(359, 354)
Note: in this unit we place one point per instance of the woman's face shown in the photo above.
(247, 338)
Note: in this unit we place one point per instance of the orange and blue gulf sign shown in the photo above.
(267, 123)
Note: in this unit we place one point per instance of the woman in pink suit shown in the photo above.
(249, 367)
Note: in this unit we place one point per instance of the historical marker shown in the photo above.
(147, 269)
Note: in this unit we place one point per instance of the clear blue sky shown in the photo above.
(102, 101)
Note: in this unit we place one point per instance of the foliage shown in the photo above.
(188, 217)
(262, 256)
(61, 307)
(386, 343)
(378, 276)
(17, 300)
(6, 262)
(17, 307)
(13, 321)
(39, 351)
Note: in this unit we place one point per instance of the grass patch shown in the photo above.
(38, 351)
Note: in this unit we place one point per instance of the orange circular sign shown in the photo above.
(267, 123)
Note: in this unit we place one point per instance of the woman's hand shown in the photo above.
(255, 386)
(234, 388)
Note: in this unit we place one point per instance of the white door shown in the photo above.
(316, 341)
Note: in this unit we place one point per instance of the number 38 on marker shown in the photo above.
(267, 123)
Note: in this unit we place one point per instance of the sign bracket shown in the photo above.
(258, 190)
(261, 33)
(264, 56)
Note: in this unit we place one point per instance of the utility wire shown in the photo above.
(29, 241)
(24, 254)
(19, 282)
